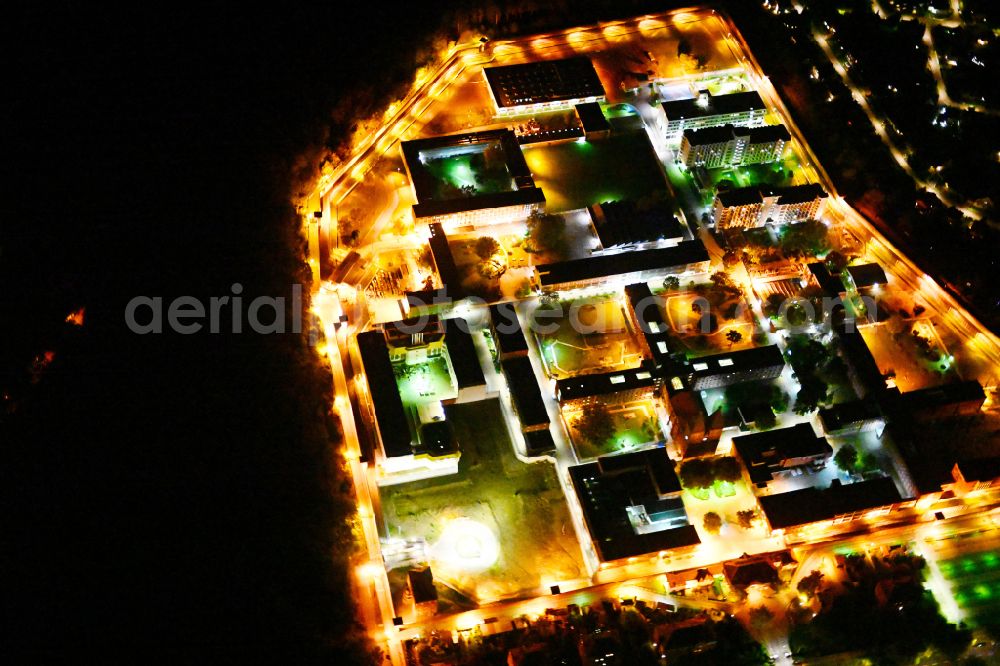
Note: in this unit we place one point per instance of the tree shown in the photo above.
(778, 400)
(671, 283)
(746, 518)
(836, 261)
(696, 473)
(760, 617)
(712, 522)
(765, 420)
(547, 232)
(846, 458)
(733, 336)
(730, 259)
(727, 469)
(595, 423)
(812, 392)
(810, 583)
(772, 305)
(486, 247)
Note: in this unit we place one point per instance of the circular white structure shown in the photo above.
(468, 545)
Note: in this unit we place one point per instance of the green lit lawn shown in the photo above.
(975, 582)
(458, 171)
(635, 425)
(420, 383)
(577, 174)
(521, 504)
(777, 174)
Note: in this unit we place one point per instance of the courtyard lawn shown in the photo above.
(592, 337)
(576, 174)
(520, 505)
(912, 369)
(429, 381)
(687, 324)
(635, 424)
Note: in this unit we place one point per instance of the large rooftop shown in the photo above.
(765, 452)
(393, 426)
(543, 81)
(470, 171)
(462, 353)
(619, 223)
(524, 392)
(716, 105)
(565, 272)
(811, 505)
(630, 505)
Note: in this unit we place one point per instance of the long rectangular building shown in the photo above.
(657, 263)
(743, 109)
(838, 502)
(718, 370)
(756, 205)
(728, 145)
(391, 424)
(545, 85)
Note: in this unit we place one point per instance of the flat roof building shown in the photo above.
(863, 276)
(391, 424)
(473, 178)
(707, 110)
(507, 333)
(525, 395)
(726, 369)
(729, 145)
(656, 263)
(631, 504)
(813, 505)
(626, 385)
(464, 360)
(629, 225)
(647, 318)
(543, 85)
(766, 453)
(595, 125)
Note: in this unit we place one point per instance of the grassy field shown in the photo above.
(591, 338)
(521, 504)
(576, 174)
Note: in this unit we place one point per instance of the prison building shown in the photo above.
(598, 270)
(729, 145)
(545, 85)
(728, 368)
(743, 109)
(756, 205)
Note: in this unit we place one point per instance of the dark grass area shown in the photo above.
(575, 174)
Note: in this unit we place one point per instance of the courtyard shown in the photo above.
(516, 512)
(591, 336)
(722, 324)
(914, 355)
(426, 381)
(576, 174)
(635, 424)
